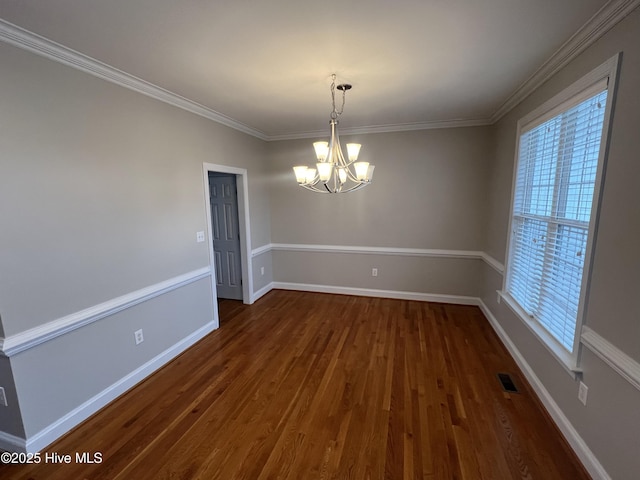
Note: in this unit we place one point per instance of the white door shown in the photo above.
(226, 235)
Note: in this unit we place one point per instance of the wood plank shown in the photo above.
(306, 385)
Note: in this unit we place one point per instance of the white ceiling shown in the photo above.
(267, 64)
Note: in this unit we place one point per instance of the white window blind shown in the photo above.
(553, 197)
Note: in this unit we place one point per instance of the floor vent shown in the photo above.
(507, 383)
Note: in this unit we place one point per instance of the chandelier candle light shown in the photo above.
(334, 174)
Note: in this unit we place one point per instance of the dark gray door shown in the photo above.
(226, 236)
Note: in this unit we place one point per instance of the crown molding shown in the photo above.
(603, 21)
(600, 23)
(398, 127)
(19, 37)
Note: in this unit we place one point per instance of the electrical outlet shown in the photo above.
(582, 393)
(261, 270)
(199, 237)
(3, 398)
(138, 336)
(374, 272)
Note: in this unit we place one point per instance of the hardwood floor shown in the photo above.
(316, 386)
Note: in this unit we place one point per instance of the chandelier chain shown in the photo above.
(334, 112)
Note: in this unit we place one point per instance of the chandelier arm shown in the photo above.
(356, 187)
(332, 142)
(348, 167)
(312, 188)
(337, 184)
(335, 142)
(340, 160)
(352, 176)
(341, 176)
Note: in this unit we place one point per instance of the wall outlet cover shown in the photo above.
(582, 393)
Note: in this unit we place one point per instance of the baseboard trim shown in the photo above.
(61, 426)
(368, 292)
(586, 456)
(22, 341)
(262, 292)
(11, 443)
(58, 428)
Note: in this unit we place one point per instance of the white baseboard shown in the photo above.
(369, 292)
(61, 426)
(586, 456)
(262, 292)
(11, 443)
(58, 428)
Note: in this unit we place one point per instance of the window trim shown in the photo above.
(570, 96)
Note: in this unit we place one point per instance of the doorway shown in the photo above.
(243, 230)
(225, 234)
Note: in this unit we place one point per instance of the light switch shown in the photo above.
(200, 237)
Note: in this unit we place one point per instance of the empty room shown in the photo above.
(319, 240)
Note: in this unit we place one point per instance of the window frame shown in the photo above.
(577, 92)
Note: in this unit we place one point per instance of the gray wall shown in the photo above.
(102, 193)
(610, 422)
(10, 416)
(260, 280)
(427, 193)
(396, 273)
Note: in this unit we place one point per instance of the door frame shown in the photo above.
(244, 225)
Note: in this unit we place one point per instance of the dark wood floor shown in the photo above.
(315, 386)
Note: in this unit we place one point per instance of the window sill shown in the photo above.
(566, 359)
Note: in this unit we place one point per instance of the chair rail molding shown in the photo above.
(619, 361)
(364, 250)
(32, 337)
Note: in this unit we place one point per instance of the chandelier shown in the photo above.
(334, 174)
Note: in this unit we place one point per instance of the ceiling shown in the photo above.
(267, 65)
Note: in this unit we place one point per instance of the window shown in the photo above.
(559, 164)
